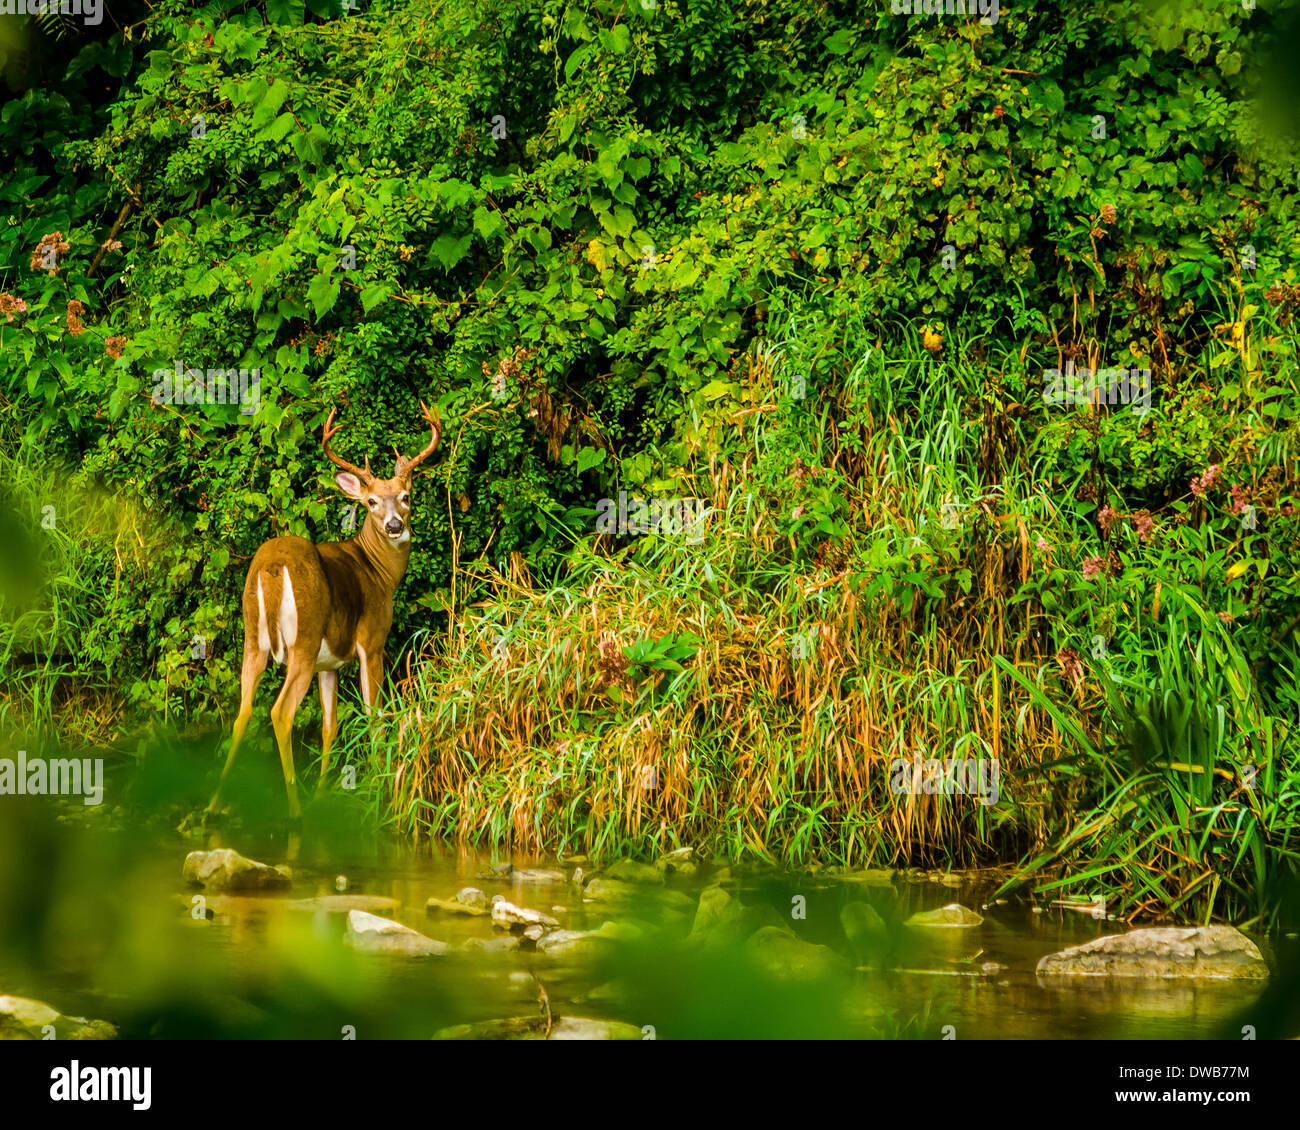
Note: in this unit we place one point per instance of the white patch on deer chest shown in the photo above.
(288, 613)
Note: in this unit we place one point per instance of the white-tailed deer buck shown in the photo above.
(316, 608)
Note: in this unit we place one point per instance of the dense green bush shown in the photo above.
(600, 203)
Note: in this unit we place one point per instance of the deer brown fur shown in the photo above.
(317, 608)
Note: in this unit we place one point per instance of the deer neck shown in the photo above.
(387, 559)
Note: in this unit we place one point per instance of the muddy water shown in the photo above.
(141, 952)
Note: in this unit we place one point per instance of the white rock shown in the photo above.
(368, 933)
(507, 914)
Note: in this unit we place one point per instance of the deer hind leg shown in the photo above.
(296, 683)
(254, 664)
(329, 690)
(372, 674)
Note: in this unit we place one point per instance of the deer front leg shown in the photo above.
(286, 706)
(329, 692)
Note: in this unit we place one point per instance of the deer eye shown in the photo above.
(404, 498)
(372, 502)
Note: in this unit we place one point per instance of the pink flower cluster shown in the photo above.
(1071, 664)
(1205, 481)
(48, 251)
(9, 306)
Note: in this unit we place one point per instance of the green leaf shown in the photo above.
(616, 40)
(488, 222)
(372, 296)
(322, 293)
(840, 42)
(288, 13)
(268, 105)
(279, 128)
(576, 60)
(451, 249)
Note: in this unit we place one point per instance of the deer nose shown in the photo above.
(393, 526)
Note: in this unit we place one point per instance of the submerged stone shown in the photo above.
(587, 943)
(342, 904)
(534, 1028)
(617, 890)
(717, 911)
(1213, 952)
(507, 944)
(472, 897)
(629, 871)
(471, 901)
(227, 870)
(679, 862)
(783, 955)
(536, 875)
(368, 933)
(954, 914)
(872, 876)
(498, 871)
(863, 926)
(24, 1019)
(609, 890)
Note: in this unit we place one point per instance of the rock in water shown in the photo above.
(468, 900)
(872, 876)
(1218, 952)
(472, 897)
(498, 871)
(608, 890)
(24, 1019)
(621, 891)
(507, 944)
(865, 929)
(507, 914)
(368, 933)
(717, 912)
(587, 943)
(629, 871)
(781, 954)
(721, 919)
(342, 904)
(226, 870)
(954, 914)
(534, 875)
(679, 862)
(580, 1028)
(534, 1028)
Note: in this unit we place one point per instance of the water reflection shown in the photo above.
(99, 923)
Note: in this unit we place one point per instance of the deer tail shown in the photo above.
(277, 613)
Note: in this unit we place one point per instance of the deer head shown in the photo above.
(387, 501)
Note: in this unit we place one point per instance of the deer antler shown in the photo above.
(405, 466)
(327, 434)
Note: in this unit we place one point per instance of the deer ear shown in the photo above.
(348, 483)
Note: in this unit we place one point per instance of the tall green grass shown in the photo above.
(904, 524)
